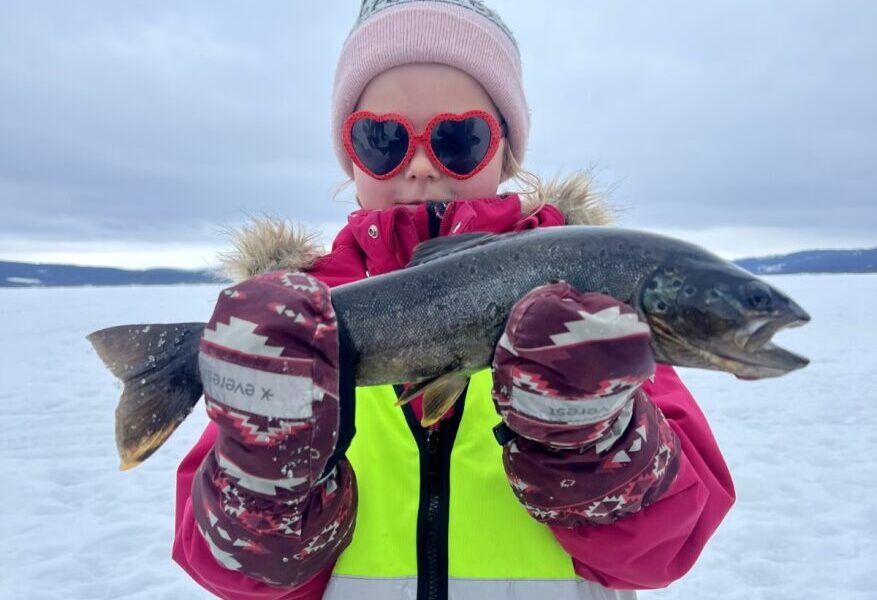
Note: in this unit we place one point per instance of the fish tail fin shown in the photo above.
(158, 368)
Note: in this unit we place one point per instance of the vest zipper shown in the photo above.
(435, 445)
(435, 537)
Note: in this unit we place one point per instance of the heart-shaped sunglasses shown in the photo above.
(458, 145)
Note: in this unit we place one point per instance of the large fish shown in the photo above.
(437, 321)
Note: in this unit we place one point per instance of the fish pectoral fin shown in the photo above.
(440, 394)
(158, 366)
(412, 391)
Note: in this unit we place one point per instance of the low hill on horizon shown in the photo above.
(814, 261)
(16, 274)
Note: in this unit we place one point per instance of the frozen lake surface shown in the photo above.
(802, 450)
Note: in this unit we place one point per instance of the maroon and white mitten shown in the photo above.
(590, 446)
(269, 365)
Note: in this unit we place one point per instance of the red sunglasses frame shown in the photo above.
(497, 132)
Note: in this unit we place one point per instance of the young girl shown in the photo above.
(573, 468)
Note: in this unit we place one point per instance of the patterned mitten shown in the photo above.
(269, 364)
(588, 445)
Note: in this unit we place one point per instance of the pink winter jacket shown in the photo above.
(648, 549)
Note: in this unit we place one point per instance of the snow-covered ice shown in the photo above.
(801, 449)
(75, 527)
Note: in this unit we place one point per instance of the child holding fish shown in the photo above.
(573, 468)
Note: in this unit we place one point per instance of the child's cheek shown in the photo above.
(484, 184)
(373, 194)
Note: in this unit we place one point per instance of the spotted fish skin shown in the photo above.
(446, 313)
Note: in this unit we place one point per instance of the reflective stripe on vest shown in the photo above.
(495, 549)
(370, 588)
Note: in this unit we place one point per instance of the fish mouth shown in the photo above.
(748, 353)
(760, 357)
(769, 361)
(756, 334)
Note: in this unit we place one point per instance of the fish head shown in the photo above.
(708, 313)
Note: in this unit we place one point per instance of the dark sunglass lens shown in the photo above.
(380, 145)
(461, 145)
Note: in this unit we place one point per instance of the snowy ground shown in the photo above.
(801, 449)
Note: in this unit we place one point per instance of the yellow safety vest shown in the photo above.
(445, 512)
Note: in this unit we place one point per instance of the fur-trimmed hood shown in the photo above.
(269, 243)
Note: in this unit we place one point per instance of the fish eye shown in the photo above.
(757, 295)
(689, 290)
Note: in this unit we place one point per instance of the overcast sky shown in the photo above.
(132, 133)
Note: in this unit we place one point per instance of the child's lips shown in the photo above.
(413, 204)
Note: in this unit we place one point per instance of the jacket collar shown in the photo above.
(388, 237)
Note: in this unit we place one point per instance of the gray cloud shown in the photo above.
(718, 113)
(156, 122)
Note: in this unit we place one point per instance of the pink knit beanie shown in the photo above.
(461, 33)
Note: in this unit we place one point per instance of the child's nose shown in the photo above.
(421, 167)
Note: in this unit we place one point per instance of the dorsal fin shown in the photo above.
(450, 244)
